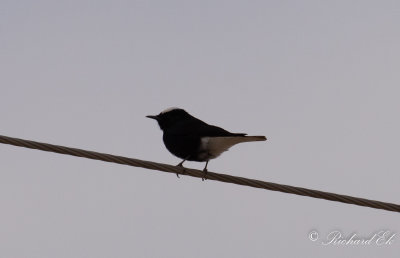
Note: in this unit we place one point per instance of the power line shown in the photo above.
(198, 173)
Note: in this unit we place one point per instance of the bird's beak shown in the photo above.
(153, 117)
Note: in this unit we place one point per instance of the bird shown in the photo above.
(189, 138)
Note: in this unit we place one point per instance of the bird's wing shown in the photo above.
(215, 131)
(196, 127)
(201, 128)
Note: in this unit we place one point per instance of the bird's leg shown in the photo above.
(205, 172)
(181, 165)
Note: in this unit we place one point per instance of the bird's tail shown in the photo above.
(253, 138)
(241, 137)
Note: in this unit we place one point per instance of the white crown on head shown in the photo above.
(169, 110)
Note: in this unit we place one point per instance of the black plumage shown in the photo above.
(189, 138)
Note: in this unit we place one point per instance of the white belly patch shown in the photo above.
(212, 147)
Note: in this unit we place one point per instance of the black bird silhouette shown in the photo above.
(191, 139)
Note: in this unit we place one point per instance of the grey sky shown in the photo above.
(319, 78)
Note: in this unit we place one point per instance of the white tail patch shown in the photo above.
(214, 146)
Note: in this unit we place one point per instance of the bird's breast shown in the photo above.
(182, 146)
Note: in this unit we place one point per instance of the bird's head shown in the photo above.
(170, 117)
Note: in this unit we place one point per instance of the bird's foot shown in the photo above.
(183, 168)
(204, 175)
